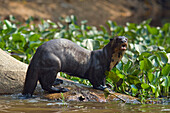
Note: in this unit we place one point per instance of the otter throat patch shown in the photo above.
(116, 57)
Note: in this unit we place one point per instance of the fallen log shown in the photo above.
(12, 76)
(80, 92)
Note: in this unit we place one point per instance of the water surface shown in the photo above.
(9, 103)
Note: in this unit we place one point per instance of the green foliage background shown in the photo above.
(143, 72)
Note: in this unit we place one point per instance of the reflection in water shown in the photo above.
(11, 104)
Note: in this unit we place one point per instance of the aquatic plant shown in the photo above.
(143, 72)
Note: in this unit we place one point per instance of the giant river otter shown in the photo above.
(62, 55)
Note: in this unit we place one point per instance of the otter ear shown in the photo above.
(111, 39)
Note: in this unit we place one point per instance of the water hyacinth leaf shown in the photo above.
(131, 25)
(46, 25)
(113, 76)
(119, 66)
(12, 30)
(29, 20)
(74, 19)
(135, 72)
(168, 50)
(83, 27)
(111, 25)
(103, 29)
(140, 48)
(142, 65)
(34, 44)
(133, 79)
(145, 86)
(166, 70)
(152, 30)
(156, 61)
(166, 27)
(12, 18)
(121, 75)
(91, 44)
(146, 64)
(162, 56)
(2, 44)
(144, 54)
(8, 24)
(134, 89)
(127, 66)
(18, 38)
(34, 37)
(146, 22)
(84, 21)
(153, 88)
(165, 82)
(51, 23)
(150, 77)
(157, 94)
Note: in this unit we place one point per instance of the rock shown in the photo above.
(12, 74)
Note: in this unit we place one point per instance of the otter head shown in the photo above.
(118, 47)
(119, 43)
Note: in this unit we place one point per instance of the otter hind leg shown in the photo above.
(47, 80)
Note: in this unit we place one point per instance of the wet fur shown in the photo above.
(61, 55)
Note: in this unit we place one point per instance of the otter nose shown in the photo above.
(124, 40)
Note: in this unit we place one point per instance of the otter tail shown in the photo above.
(30, 80)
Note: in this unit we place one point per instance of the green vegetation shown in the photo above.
(144, 70)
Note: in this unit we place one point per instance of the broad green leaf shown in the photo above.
(162, 56)
(152, 30)
(121, 76)
(18, 38)
(168, 50)
(91, 44)
(34, 37)
(111, 25)
(166, 27)
(156, 61)
(34, 44)
(12, 18)
(113, 76)
(74, 19)
(119, 66)
(131, 26)
(146, 64)
(144, 54)
(8, 24)
(84, 21)
(150, 77)
(145, 86)
(156, 94)
(140, 48)
(134, 89)
(133, 79)
(165, 82)
(146, 22)
(29, 20)
(127, 66)
(153, 88)
(142, 65)
(166, 70)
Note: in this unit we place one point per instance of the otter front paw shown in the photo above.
(57, 90)
(101, 87)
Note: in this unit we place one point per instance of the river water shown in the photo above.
(11, 104)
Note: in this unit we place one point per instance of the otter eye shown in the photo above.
(118, 39)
